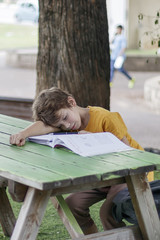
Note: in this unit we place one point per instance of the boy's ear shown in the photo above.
(72, 101)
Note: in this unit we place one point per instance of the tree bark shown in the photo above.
(73, 49)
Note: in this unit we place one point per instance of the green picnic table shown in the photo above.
(50, 173)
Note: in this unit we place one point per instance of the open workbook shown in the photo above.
(83, 144)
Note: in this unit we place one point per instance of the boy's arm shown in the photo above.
(37, 128)
(124, 140)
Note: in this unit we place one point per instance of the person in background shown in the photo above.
(118, 47)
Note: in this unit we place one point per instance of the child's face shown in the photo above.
(69, 119)
(119, 30)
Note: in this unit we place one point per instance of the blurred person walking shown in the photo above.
(118, 56)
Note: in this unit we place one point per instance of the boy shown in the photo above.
(55, 110)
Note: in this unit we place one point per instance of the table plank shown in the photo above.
(144, 157)
(71, 170)
(14, 121)
(96, 168)
(64, 156)
(31, 176)
(9, 129)
(111, 160)
(39, 162)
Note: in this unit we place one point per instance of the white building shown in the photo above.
(126, 12)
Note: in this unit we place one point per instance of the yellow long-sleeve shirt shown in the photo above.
(102, 120)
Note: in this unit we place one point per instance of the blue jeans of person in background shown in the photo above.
(122, 70)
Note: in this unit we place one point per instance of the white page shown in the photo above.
(93, 143)
(84, 144)
(46, 139)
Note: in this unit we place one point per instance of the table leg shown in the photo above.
(7, 218)
(31, 214)
(67, 217)
(144, 206)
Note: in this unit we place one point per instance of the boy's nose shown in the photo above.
(67, 125)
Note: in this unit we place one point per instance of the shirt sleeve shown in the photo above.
(114, 123)
(123, 43)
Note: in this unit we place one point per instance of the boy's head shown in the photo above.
(119, 29)
(48, 103)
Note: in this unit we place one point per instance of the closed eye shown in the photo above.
(65, 118)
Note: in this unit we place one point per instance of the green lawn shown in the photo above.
(141, 52)
(18, 36)
(52, 227)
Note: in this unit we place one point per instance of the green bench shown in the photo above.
(49, 173)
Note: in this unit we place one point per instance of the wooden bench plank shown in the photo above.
(128, 233)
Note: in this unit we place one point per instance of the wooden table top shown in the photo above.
(45, 168)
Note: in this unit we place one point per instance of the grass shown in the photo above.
(141, 52)
(18, 36)
(52, 226)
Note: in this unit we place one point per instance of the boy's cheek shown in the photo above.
(63, 128)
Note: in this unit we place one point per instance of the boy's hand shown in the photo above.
(36, 128)
(18, 139)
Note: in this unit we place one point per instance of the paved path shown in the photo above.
(143, 123)
(16, 82)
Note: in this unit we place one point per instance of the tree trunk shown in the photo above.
(74, 49)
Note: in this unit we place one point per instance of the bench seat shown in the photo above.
(129, 233)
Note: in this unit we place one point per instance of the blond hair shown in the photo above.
(48, 102)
